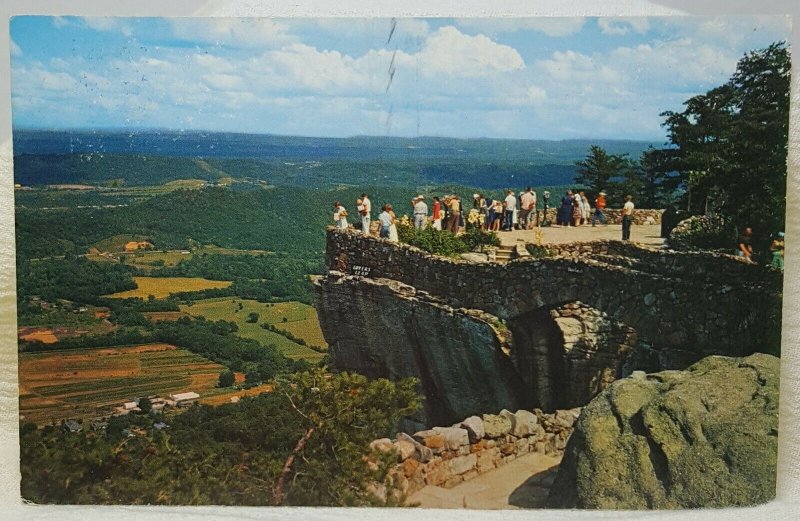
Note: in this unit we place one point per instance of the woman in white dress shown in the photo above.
(340, 216)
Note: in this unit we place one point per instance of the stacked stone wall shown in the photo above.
(704, 302)
(447, 456)
(614, 216)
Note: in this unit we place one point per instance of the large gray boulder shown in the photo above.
(704, 437)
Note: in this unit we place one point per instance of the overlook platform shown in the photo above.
(646, 234)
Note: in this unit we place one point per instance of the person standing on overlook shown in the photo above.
(340, 216)
(420, 212)
(437, 213)
(577, 208)
(455, 213)
(365, 211)
(586, 208)
(510, 206)
(385, 220)
(599, 207)
(565, 212)
(627, 217)
(528, 205)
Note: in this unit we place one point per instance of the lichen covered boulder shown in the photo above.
(704, 437)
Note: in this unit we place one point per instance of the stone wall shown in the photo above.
(614, 216)
(447, 456)
(546, 333)
(705, 266)
(676, 300)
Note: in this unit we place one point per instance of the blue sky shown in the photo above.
(537, 78)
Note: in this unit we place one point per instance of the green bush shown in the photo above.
(703, 232)
(443, 242)
(476, 239)
(538, 252)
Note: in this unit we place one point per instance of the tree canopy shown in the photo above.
(731, 143)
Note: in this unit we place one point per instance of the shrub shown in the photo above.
(443, 243)
(476, 239)
(538, 252)
(703, 232)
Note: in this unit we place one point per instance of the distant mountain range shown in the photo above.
(60, 156)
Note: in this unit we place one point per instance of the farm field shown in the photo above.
(89, 383)
(301, 321)
(162, 287)
(223, 396)
(163, 316)
(117, 243)
(154, 259)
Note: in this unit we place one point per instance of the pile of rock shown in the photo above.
(447, 456)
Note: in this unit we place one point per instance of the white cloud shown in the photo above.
(223, 82)
(15, 49)
(234, 32)
(558, 27)
(33, 79)
(449, 51)
(59, 22)
(551, 26)
(622, 26)
(107, 23)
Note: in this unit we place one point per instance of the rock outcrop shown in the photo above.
(547, 333)
(386, 329)
(704, 437)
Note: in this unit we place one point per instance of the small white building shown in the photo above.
(184, 399)
(129, 406)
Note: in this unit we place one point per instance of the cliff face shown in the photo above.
(383, 328)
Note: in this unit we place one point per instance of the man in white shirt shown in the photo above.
(528, 201)
(627, 217)
(365, 210)
(420, 212)
(510, 206)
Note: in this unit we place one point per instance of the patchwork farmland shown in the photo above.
(294, 317)
(90, 382)
(162, 287)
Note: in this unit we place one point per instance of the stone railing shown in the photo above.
(447, 456)
(704, 266)
(614, 215)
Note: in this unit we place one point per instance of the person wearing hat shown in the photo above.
(599, 206)
(420, 212)
(776, 249)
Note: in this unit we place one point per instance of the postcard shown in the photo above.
(438, 263)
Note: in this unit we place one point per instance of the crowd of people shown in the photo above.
(513, 212)
(518, 212)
